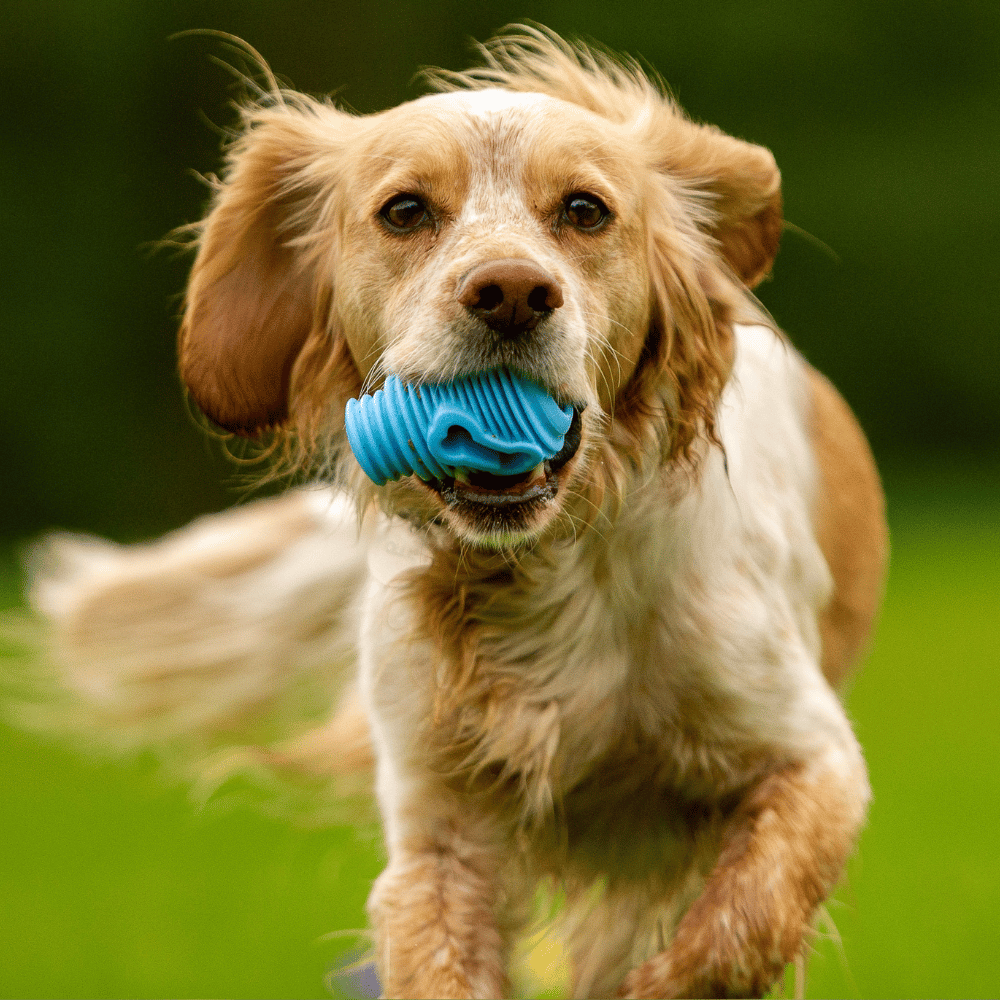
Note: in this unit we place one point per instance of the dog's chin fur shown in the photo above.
(624, 683)
(494, 527)
(495, 524)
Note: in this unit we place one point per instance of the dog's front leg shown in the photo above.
(782, 853)
(434, 913)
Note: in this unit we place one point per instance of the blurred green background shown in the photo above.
(885, 119)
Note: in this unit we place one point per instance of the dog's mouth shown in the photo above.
(498, 503)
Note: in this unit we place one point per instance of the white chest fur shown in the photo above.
(686, 628)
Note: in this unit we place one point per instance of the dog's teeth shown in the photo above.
(461, 475)
(537, 471)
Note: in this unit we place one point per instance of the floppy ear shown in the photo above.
(731, 191)
(255, 294)
(744, 185)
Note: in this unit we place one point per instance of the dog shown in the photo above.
(615, 674)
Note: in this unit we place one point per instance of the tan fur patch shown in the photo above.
(850, 527)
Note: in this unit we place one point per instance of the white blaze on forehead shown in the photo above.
(489, 101)
(494, 194)
(494, 191)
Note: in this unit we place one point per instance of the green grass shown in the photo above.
(113, 885)
(916, 913)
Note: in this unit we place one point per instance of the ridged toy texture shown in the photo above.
(496, 422)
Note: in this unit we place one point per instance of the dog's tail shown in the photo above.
(222, 646)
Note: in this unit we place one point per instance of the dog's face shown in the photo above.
(455, 188)
(591, 248)
(485, 229)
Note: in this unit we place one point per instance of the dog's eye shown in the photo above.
(585, 211)
(404, 213)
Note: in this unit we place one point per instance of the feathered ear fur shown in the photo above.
(731, 191)
(259, 296)
(741, 180)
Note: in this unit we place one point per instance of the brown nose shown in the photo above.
(510, 295)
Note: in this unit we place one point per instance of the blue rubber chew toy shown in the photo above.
(495, 422)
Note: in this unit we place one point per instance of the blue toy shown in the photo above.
(495, 422)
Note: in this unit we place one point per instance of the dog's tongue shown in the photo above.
(497, 491)
(478, 484)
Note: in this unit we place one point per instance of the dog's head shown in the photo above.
(552, 212)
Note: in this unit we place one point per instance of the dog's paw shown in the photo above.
(667, 976)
